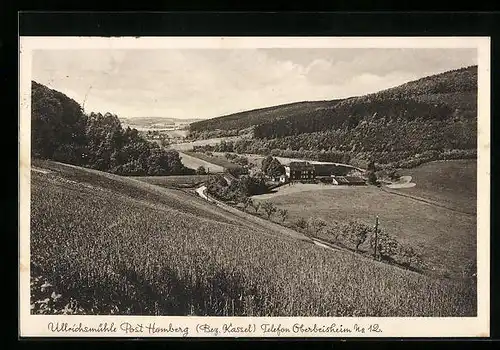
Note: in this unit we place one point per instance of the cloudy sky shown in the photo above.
(205, 83)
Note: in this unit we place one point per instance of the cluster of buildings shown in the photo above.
(330, 173)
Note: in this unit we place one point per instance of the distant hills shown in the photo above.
(436, 114)
(148, 121)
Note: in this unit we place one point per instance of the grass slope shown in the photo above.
(188, 146)
(218, 161)
(113, 245)
(173, 181)
(190, 160)
(453, 183)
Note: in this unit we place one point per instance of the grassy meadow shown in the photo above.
(194, 162)
(219, 161)
(182, 181)
(453, 183)
(103, 244)
(445, 238)
(188, 146)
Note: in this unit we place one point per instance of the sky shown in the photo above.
(206, 83)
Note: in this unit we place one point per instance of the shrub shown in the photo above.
(201, 170)
(247, 202)
(390, 250)
(269, 209)
(357, 233)
(300, 223)
(315, 224)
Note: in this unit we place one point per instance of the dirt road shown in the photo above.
(202, 192)
(403, 182)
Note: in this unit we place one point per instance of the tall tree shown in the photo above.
(275, 168)
(370, 173)
(265, 163)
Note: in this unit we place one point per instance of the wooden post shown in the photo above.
(376, 238)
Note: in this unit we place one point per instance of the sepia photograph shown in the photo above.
(252, 179)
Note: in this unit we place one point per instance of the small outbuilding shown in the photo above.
(339, 180)
(348, 180)
(355, 180)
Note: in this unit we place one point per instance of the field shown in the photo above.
(188, 146)
(112, 245)
(175, 134)
(173, 181)
(449, 182)
(219, 161)
(445, 238)
(254, 159)
(193, 162)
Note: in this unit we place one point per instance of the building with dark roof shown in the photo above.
(300, 171)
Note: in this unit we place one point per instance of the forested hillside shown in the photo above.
(62, 132)
(454, 81)
(229, 125)
(431, 118)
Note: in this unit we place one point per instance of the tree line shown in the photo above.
(238, 189)
(61, 131)
(357, 236)
(400, 150)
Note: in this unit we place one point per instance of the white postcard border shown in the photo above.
(43, 326)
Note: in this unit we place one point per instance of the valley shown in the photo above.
(357, 207)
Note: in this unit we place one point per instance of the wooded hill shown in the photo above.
(436, 114)
(61, 131)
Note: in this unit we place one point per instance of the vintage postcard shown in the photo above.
(254, 187)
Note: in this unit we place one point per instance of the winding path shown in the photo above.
(202, 192)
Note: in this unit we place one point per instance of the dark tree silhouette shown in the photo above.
(63, 132)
